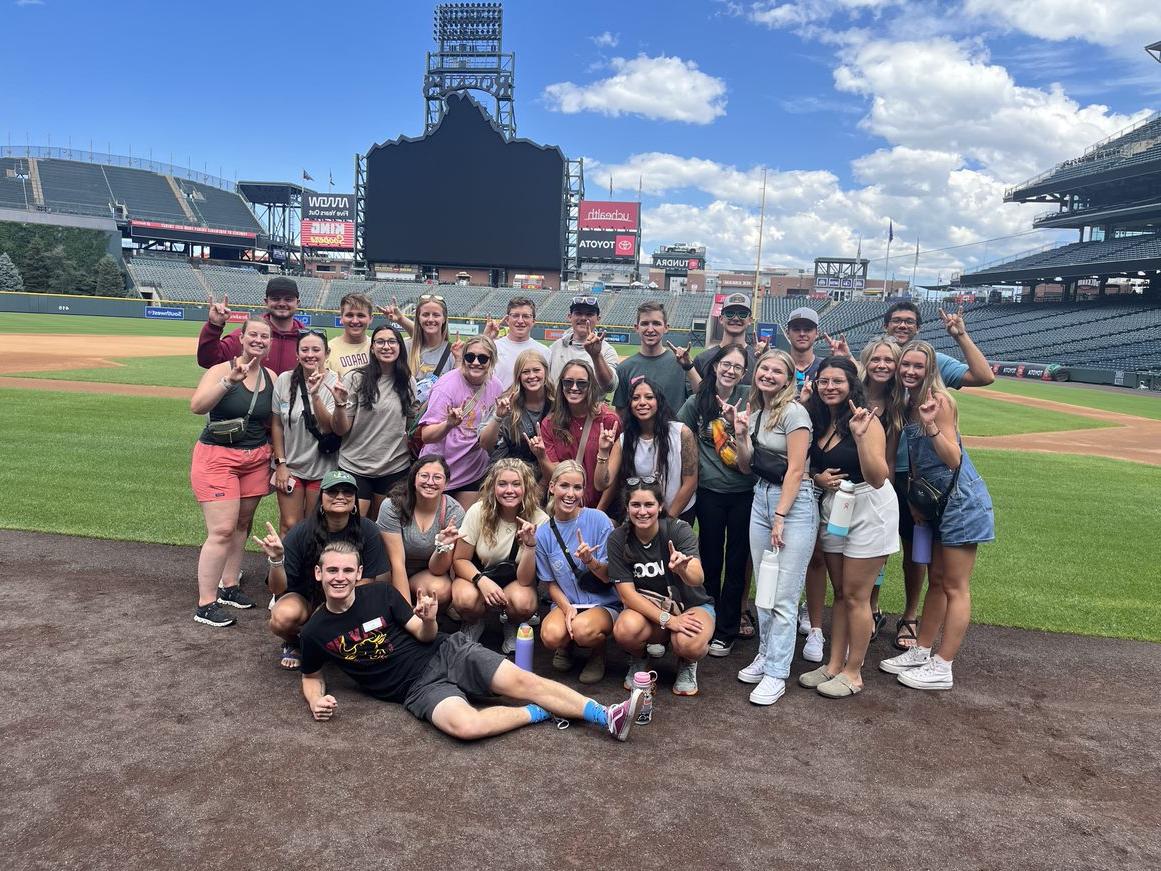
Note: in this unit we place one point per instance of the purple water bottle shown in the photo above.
(524, 644)
(921, 545)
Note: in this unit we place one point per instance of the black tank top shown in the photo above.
(236, 403)
(843, 455)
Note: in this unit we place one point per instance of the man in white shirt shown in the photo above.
(585, 342)
(520, 320)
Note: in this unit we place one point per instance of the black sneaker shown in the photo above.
(213, 615)
(234, 597)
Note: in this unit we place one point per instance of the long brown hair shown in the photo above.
(561, 416)
(519, 400)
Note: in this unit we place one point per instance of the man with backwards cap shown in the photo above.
(281, 307)
(735, 321)
(585, 342)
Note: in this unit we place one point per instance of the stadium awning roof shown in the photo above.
(273, 193)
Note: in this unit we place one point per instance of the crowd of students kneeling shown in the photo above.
(407, 494)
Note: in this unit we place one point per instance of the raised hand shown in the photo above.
(860, 420)
(491, 329)
(324, 708)
(526, 532)
(953, 323)
(271, 544)
(592, 343)
(536, 445)
(219, 312)
(682, 354)
(729, 412)
(741, 421)
(761, 347)
(457, 348)
(583, 552)
(807, 390)
(450, 534)
(930, 408)
(314, 380)
(504, 405)
(678, 561)
(391, 312)
(455, 416)
(241, 370)
(341, 394)
(426, 606)
(839, 346)
(608, 438)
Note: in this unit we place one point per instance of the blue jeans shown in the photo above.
(779, 625)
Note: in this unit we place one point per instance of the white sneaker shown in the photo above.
(812, 649)
(655, 651)
(473, 631)
(635, 665)
(768, 691)
(934, 675)
(509, 645)
(686, 683)
(755, 671)
(907, 660)
(803, 620)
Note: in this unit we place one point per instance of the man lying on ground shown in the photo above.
(395, 653)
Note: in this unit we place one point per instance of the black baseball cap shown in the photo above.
(584, 302)
(280, 285)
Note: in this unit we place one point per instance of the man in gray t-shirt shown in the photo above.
(669, 368)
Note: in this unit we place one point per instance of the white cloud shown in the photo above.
(606, 40)
(773, 13)
(663, 88)
(1105, 22)
(29, 3)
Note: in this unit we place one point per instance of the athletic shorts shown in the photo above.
(460, 669)
(470, 487)
(874, 529)
(379, 486)
(222, 474)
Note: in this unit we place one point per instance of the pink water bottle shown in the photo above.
(645, 681)
(921, 544)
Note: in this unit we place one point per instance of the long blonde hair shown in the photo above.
(416, 349)
(519, 400)
(902, 399)
(562, 468)
(490, 512)
(772, 413)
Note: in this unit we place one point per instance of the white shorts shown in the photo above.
(874, 529)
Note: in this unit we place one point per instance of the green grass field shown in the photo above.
(1075, 534)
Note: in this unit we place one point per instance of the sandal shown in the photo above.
(880, 621)
(905, 634)
(291, 657)
(746, 625)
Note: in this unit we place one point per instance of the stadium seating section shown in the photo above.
(1108, 334)
(15, 190)
(1108, 252)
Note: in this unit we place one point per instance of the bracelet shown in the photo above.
(601, 459)
(779, 514)
(226, 384)
(444, 548)
(930, 435)
(687, 368)
(275, 562)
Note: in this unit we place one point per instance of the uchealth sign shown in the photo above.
(676, 264)
(606, 245)
(606, 215)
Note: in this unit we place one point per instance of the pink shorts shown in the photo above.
(302, 484)
(220, 474)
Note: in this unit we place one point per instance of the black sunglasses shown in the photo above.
(472, 357)
(575, 384)
(340, 490)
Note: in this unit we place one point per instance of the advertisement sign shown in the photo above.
(328, 207)
(458, 328)
(676, 264)
(528, 282)
(605, 215)
(617, 338)
(339, 235)
(607, 246)
(196, 235)
(237, 316)
(553, 334)
(167, 313)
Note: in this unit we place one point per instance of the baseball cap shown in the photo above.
(584, 302)
(280, 285)
(335, 477)
(803, 314)
(736, 300)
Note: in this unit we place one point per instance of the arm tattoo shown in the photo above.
(688, 453)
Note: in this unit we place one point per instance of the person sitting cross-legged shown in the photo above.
(395, 653)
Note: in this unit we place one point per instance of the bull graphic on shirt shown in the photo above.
(361, 646)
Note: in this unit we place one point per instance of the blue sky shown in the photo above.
(863, 111)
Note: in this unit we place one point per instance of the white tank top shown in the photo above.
(645, 463)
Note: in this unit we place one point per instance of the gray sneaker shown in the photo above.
(635, 665)
(911, 658)
(686, 683)
(213, 614)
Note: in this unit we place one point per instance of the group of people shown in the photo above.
(419, 476)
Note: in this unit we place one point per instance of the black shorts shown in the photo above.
(460, 669)
(906, 521)
(473, 487)
(380, 486)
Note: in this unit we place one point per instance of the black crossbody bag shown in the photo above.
(586, 580)
(328, 443)
(925, 497)
(765, 463)
(503, 572)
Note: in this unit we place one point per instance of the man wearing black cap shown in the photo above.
(281, 306)
(585, 342)
(735, 321)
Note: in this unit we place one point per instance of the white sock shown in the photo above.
(941, 663)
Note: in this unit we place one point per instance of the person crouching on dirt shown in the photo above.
(395, 653)
(230, 470)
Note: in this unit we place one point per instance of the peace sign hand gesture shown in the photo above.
(860, 420)
(219, 312)
(583, 553)
(271, 544)
(678, 561)
(929, 409)
(608, 437)
(391, 312)
(953, 323)
(682, 354)
(240, 371)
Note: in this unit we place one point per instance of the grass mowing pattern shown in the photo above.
(169, 371)
(981, 416)
(1124, 401)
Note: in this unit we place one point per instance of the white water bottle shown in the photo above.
(842, 509)
(767, 580)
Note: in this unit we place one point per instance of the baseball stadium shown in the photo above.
(143, 739)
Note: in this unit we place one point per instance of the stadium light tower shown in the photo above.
(469, 56)
(1155, 51)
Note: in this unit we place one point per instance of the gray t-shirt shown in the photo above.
(663, 370)
(701, 362)
(301, 448)
(419, 546)
(377, 442)
(773, 438)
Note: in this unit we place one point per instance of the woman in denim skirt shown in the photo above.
(929, 419)
(783, 515)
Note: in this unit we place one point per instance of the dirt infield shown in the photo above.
(51, 353)
(136, 738)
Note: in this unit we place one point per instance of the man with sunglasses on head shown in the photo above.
(281, 307)
(735, 322)
(585, 342)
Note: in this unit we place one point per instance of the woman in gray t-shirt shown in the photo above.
(419, 525)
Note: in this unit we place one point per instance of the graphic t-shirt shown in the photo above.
(717, 453)
(647, 565)
(369, 643)
(428, 374)
(551, 564)
(418, 546)
(345, 356)
(300, 570)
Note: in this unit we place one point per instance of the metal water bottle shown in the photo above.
(764, 595)
(645, 681)
(921, 544)
(525, 641)
(842, 509)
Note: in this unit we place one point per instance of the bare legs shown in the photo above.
(851, 620)
(948, 604)
(227, 525)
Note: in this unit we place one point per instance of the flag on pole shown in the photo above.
(859, 252)
(890, 231)
(306, 176)
(332, 180)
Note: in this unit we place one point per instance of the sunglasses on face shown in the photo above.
(575, 384)
(642, 479)
(735, 315)
(472, 357)
(349, 492)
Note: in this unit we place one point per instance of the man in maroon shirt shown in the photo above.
(281, 306)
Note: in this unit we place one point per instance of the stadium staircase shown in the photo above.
(34, 182)
(182, 201)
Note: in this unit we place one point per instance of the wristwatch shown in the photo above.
(476, 577)
(664, 618)
(278, 461)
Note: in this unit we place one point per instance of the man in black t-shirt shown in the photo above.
(394, 652)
